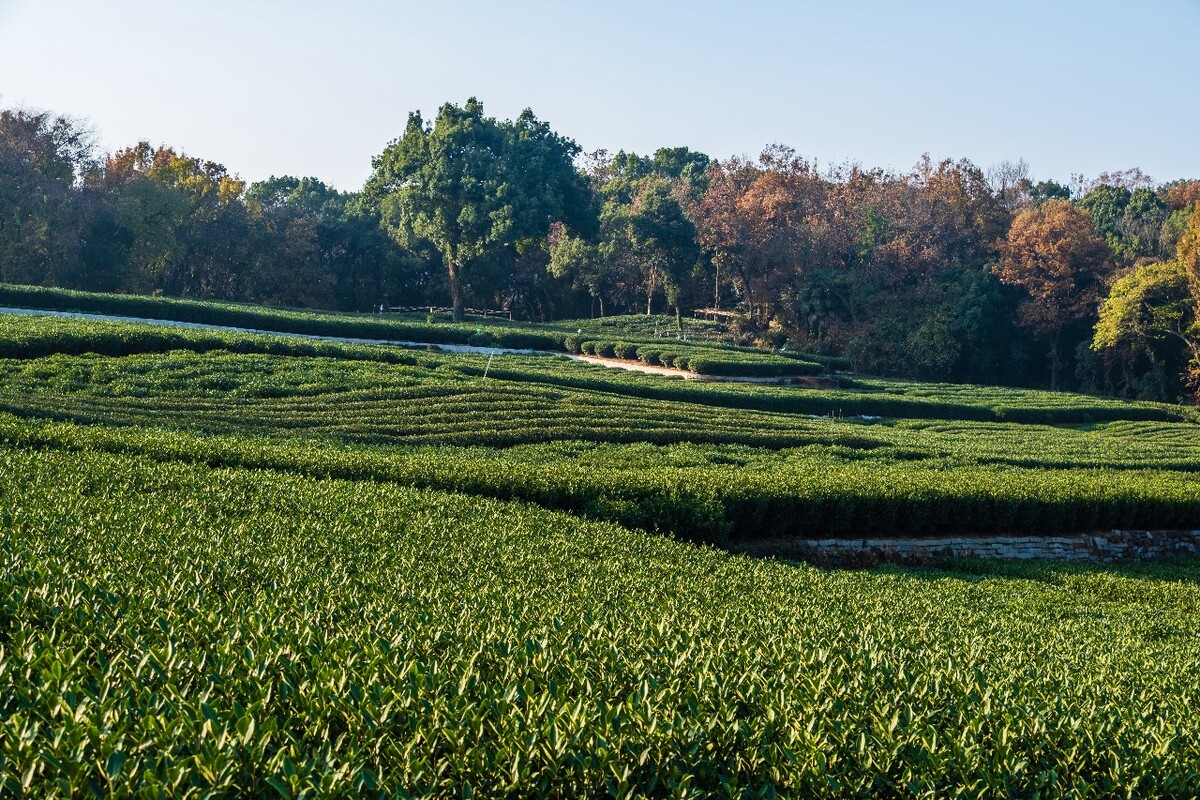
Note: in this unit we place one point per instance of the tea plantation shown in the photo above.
(238, 564)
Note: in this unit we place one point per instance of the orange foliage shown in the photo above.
(1053, 252)
(199, 179)
(1181, 194)
(1188, 253)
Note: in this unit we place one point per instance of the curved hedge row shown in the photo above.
(700, 360)
(386, 403)
(827, 402)
(28, 337)
(280, 320)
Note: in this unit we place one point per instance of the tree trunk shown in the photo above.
(456, 300)
(748, 292)
(1055, 362)
(678, 322)
(600, 297)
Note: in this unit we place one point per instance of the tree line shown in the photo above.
(945, 272)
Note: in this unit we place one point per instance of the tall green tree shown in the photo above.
(1156, 302)
(42, 159)
(580, 261)
(686, 165)
(471, 185)
(1048, 190)
(184, 220)
(664, 239)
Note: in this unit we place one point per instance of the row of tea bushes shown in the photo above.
(700, 360)
(815, 492)
(32, 337)
(432, 400)
(358, 326)
(833, 403)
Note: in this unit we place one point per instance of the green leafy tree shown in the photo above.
(1048, 190)
(1146, 305)
(1157, 301)
(1106, 204)
(147, 218)
(1129, 219)
(1140, 227)
(686, 165)
(471, 185)
(320, 247)
(646, 242)
(1188, 255)
(1149, 301)
(183, 219)
(580, 261)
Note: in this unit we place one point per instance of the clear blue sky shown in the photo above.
(307, 88)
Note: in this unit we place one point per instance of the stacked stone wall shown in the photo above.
(1110, 547)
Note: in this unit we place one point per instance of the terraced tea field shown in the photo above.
(758, 463)
(239, 564)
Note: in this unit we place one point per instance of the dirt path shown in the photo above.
(614, 363)
(637, 366)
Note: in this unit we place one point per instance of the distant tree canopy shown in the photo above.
(946, 271)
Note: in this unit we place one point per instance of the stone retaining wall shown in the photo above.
(1097, 547)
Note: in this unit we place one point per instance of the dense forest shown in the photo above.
(945, 272)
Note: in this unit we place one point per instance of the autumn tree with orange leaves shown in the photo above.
(1054, 254)
(760, 222)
